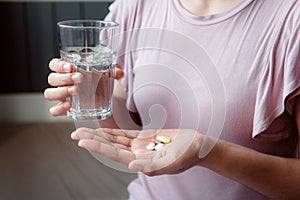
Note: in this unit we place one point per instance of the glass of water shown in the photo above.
(91, 46)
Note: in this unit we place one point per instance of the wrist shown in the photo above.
(210, 152)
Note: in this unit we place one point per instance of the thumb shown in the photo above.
(147, 167)
(138, 165)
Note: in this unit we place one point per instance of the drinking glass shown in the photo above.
(91, 46)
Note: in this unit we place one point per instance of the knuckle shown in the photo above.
(60, 65)
(67, 79)
(66, 92)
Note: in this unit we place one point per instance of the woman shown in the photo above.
(255, 46)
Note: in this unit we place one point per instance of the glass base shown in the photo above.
(89, 114)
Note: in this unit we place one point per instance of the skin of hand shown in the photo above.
(129, 148)
(64, 79)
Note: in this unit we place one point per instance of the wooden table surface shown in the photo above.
(39, 161)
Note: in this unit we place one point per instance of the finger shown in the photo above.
(121, 140)
(77, 136)
(59, 66)
(108, 150)
(135, 139)
(139, 134)
(120, 146)
(53, 94)
(81, 132)
(60, 109)
(132, 134)
(87, 133)
(114, 139)
(56, 79)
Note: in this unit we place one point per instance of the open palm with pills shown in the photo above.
(179, 152)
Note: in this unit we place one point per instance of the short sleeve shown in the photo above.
(280, 82)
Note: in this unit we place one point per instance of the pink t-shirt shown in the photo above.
(255, 50)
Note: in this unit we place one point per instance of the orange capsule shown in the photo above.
(164, 139)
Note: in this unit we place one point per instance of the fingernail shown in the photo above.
(66, 105)
(51, 110)
(66, 67)
(81, 143)
(71, 90)
(76, 78)
(73, 135)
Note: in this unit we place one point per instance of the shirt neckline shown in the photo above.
(208, 19)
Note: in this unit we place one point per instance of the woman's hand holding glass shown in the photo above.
(64, 81)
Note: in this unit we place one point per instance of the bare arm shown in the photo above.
(273, 176)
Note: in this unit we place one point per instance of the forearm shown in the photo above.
(275, 177)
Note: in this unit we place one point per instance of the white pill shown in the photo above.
(158, 146)
(150, 146)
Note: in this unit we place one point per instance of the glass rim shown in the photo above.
(101, 24)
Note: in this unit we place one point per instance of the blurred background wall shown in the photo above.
(28, 42)
(39, 160)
